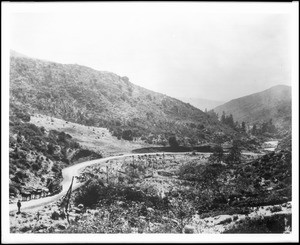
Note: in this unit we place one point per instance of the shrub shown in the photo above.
(173, 142)
(90, 194)
(127, 135)
(268, 224)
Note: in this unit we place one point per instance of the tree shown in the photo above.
(223, 117)
(217, 155)
(243, 126)
(127, 135)
(173, 142)
(234, 156)
(230, 121)
(254, 129)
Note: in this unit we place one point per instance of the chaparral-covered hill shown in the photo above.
(97, 98)
(273, 103)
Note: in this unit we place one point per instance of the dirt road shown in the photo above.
(74, 170)
(67, 174)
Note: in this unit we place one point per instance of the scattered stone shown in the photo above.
(276, 208)
(55, 215)
(61, 226)
(188, 229)
(224, 219)
(25, 228)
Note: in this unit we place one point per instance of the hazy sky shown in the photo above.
(176, 49)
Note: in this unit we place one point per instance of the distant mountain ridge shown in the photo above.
(202, 104)
(83, 95)
(273, 103)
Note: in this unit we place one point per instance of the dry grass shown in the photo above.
(96, 139)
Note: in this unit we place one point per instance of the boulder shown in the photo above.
(223, 219)
(55, 215)
(25, 228)
(189, 229)
(276, 208)
(61, 226)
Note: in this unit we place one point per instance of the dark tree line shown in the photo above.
(265, 127)
(228, 120)
(233, 157)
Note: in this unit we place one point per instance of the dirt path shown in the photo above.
(74, 170)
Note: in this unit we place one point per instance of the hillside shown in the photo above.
(103, 99)
(37, 155)
(95, 139)
(273, 103)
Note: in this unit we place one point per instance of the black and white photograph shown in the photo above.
(149, 122)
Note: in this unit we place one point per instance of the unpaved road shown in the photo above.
(74, 170)
(67, 174)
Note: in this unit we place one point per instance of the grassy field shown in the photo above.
(96, 139)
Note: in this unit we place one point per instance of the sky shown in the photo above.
(176, 49)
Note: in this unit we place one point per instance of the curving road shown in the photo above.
(74, 170)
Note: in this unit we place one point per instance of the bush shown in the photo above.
(173, 142)
(127, 135)
(90, 194)
(268, 224)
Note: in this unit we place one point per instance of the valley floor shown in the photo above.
(159, 173)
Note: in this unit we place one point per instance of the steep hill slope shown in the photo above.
(82, 95)
(273, 103)
(37, 155)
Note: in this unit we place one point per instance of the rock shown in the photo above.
(189, 229)
(51, 229)
(223, 219)
(78, 210)
(85, 217)
(61, 226)
(42, 226)
(25, 228)
(55, 215)
(150, 209)
(276, 208)
(175, 221)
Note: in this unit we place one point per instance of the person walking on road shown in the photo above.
(19, 206)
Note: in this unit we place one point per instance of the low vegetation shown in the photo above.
(37, 156)
(270, 224)
(93, 98)
(166, 200)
